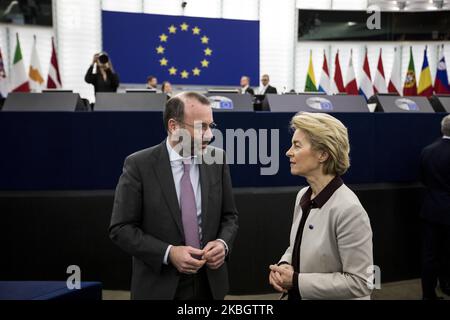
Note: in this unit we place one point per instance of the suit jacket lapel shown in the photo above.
(165, 177)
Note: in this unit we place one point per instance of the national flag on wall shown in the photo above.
(181, 49)
(19, 79)
(379, 81)
(34, 73)
(441, 85)
(410, 86)
(351, 87)
(338, 83)
(395, 84)
(324, 83)
(366, 86)
(310, 84)
(425, 86)
(3, 79)
(54, 78)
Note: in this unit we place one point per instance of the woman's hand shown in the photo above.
(281, 277)
(275, 281)
(95, 59)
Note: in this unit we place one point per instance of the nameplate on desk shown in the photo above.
(394, 103)
(219, 102)
(406, 104)
(319, 103)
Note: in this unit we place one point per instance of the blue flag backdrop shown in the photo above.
(182, 50)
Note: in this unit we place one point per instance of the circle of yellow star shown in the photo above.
(173, 71)
(160, 50)
(205, 40)
(163, 61)
(208, 52)
(204, 63)
(172, 29)
(163, 38)
(184, 74)
(184, 26)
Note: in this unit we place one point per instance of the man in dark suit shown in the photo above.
(245, 86)
(435, 175)
(174, 211)
(267, 88)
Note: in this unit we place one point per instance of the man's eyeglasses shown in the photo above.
(204, 126)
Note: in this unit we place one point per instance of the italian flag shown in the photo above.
(19, 78)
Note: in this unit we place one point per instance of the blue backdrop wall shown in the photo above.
(86, 150)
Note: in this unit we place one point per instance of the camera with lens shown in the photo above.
(103, 58)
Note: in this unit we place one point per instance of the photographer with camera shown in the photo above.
(101, 74)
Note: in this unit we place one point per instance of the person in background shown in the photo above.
(152, 82)
(166, 88)
(435, 214)
(266, 87)
(101, 74)
(245, 86)
(330, 252)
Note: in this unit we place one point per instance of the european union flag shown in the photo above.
(182, 50)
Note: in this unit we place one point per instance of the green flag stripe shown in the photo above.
(411, 61)
(17, 53)
(309, 85)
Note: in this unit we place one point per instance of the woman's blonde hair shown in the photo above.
(328, 134)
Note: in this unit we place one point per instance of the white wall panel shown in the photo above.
(169, 7)
(317, 4)
(277, 42)
(203, 8)
(122, 6)
(349, 4)
(78, 24)
(241, 10)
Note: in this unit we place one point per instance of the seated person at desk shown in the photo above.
(101, 74)
(245, 86)
(152, 83)
(266, 87)
(166, 88)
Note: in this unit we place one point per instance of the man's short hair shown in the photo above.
(175, 106)
(150, 78)
(445, 126)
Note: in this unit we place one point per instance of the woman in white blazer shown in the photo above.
(330, 251)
